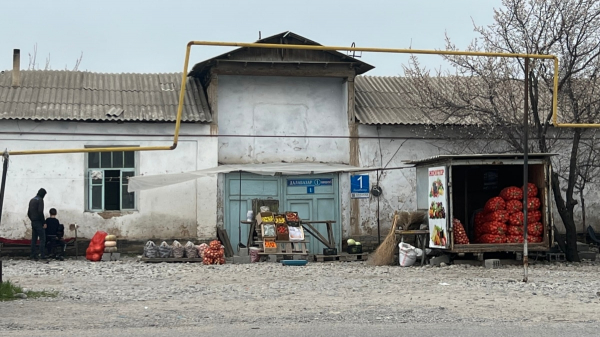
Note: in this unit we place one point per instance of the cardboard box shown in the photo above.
(270, 249)
(268, 230)
(283, 236)
(260, 217)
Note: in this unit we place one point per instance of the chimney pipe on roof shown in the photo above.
(16, 73)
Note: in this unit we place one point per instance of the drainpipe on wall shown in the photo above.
(16, 73)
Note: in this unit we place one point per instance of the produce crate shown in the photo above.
(279, 219)
(268, 230)
(354, 249)
(296, 233)
(265, 217)
(292, 218)
(272, 249)
(281, 234)
(330, 251)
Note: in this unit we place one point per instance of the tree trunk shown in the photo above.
(567, 218)
(584, 227)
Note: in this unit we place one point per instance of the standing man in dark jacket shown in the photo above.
(38, 224)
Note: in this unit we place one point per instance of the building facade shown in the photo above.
(246, 106)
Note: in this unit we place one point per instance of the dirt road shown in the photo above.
(132, 295)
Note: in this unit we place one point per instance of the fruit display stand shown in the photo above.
(297, 247)
(459, 191)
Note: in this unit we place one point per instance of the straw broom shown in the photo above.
(384, 254)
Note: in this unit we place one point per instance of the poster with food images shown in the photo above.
(437, 214)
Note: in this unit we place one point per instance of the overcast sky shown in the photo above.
(150, 36)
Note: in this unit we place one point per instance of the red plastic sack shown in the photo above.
(514, 206)
(460, 236)
(535, 229)
(511, 193)
(516, 219)
(514, 239)
(515, 231)
(96, 247)
(534, 239)
(499, 216)
(494, 204)
(532, 190)
(493, 227)
(480, 218)
(491, 238)
(534, 216)
(533, 203)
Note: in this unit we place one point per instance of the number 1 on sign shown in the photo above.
(360, 181)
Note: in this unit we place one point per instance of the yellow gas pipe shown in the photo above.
(306, 47)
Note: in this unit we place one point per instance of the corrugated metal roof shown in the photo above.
(520, 156)
(86, 96)
(389, 100)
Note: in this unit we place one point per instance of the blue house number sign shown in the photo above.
(359, 186)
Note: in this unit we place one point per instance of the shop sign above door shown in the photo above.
(310, 182)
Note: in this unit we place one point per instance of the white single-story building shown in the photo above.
(246, 106)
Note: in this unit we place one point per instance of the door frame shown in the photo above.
(282, 197)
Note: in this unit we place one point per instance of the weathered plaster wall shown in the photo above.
(182, 210)
(282, 106)
(399, 186)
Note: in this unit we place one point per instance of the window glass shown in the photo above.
(97, 197)
(94, 160)
(108, 174)
(106, 161)
(117, 159)
(129, 159)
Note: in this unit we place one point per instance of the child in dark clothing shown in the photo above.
(54, 234)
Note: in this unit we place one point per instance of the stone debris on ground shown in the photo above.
(117, 293)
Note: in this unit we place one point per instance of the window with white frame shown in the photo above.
(108, 176)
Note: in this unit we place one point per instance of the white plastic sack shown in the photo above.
(164, 250)
(190, 250)
(408, 256)
(178, 249)
(150, 250)
(418, 252)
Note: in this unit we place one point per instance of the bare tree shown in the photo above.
(488, 91)
(33, 65)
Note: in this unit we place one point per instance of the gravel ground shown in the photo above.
(131, 294)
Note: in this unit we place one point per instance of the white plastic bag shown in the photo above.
(150, 250)
(408, 256)
(164, 250)
(190, 250)
(178, 249)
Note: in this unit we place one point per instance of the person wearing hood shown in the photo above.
(38, 224)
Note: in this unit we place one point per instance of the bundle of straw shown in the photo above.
(384, 254)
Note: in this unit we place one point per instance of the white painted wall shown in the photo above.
(179, 211)
(265, 105)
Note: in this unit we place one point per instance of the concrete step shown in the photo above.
(583, 247)
(588, 255)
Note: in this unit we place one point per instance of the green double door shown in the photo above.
(314, 197)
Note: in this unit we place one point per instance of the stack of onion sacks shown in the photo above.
(214, 253)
